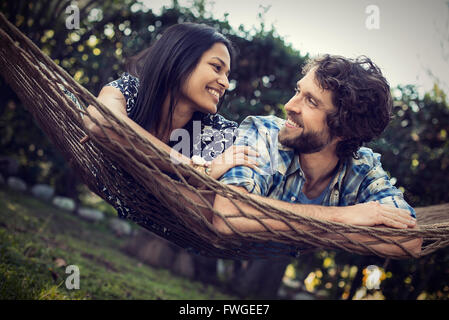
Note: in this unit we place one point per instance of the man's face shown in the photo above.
(306, 128)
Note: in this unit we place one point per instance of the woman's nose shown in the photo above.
(224, 82)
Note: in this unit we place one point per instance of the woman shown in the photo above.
(176, 84)
(185, 74)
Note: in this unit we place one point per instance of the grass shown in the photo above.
(34, 236)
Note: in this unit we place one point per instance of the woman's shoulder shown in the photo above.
(218, 122)
(129, 87)
(125, 81)
(217, 134)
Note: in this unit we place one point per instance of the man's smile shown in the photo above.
(291, 124)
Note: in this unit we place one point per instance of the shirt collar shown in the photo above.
(338, 179)
(288, 162)
(293, 166)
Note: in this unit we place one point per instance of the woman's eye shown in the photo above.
(217, 67)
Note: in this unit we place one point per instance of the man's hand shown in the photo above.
(373, 213)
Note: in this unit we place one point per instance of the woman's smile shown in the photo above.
(215, 93)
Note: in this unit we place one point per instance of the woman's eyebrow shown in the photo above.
(222, 62)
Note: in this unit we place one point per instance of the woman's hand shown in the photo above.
(232, 157)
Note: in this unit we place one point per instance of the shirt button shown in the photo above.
(293, 199)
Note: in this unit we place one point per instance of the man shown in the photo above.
(312, 164)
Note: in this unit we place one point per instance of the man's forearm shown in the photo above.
(247, 224)
(411, 244)
(244, 224)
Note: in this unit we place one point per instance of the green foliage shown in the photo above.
(21, 138)
(415, 146)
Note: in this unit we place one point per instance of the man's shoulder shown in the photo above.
(262, 123)
(366, 161)
(368, 181)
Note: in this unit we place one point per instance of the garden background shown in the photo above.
(414, 148)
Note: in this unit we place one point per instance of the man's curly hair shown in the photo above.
(361, 96)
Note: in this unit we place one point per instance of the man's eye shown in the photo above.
(312, 101)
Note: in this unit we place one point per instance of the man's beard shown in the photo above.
(309, 142)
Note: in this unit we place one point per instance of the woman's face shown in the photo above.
(208, 81)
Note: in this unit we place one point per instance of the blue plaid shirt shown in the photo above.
(281, 177)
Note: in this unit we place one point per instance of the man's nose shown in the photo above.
(293, 105)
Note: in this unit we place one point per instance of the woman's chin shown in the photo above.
(208, 109)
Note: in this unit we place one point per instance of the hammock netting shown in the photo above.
(133, 177)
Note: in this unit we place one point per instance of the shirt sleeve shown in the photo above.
(254, 181)
(377, 187)
(129, 87)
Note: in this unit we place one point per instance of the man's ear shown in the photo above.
(336, 140)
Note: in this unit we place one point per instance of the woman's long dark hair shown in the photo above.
(163, 67)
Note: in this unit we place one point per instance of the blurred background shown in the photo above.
(409, 40)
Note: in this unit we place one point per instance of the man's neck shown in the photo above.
(319, 169)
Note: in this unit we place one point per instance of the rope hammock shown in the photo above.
(39, 83)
